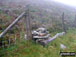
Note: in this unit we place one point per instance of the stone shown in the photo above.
(62, 46)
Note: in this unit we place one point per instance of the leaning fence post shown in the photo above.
(12, 24)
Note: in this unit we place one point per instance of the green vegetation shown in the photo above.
(30, 49)
(48, 14)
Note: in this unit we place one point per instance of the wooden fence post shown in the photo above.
(11, 25)
(74, 24)
(28, 25)
(63, 24)
(15, 39)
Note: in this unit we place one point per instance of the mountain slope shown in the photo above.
(43, 10)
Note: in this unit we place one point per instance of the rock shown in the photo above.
(25, 37)
(62, 46)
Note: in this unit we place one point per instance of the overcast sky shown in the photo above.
(67, 2)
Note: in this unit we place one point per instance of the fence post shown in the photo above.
(63, 24)
(15, 39)
(74, 24)
(11, 25)
(28, 25)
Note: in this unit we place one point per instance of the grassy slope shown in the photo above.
(30, 49)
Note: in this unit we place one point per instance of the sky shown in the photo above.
(67, 2)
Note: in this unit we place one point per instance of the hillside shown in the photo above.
(52, 8)
(43, 10)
